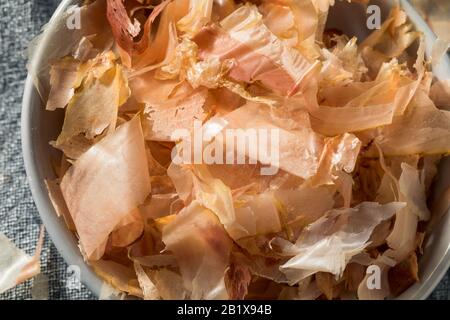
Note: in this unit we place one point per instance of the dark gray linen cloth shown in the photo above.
(20, 21)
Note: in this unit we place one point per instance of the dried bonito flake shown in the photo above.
(101, 89)
(258, 54)
(355, 129)
(329, 243)
(202, 248)
(15, 265)
(111, 179)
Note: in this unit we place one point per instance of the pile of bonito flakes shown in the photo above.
(361, 123)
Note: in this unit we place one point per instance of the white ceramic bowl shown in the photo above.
(40, 126)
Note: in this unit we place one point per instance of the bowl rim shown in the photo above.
(65, 243)
(61, 237)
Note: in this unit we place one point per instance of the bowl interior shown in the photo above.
(40, 126)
